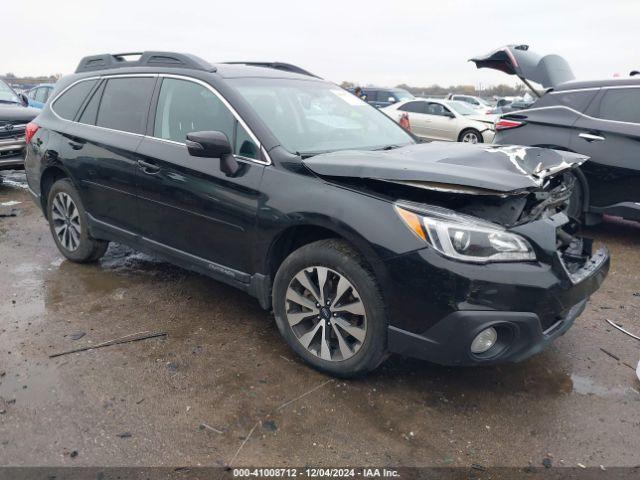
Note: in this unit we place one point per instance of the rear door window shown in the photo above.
(67, 104)
(415, 107)
(125, 103)
(620, 104)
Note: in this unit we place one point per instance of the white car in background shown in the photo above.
(480, 104)
(450, 120)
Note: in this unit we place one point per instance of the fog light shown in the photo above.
(484, 340)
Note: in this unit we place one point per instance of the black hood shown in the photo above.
(10, 113)
(548, 70)
(491, 168)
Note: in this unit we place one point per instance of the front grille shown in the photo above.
(11, 130)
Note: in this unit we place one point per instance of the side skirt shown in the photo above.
(257, 285)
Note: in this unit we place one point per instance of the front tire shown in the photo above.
(575, 206)
(470, 135)
(68, 223)
(329, 309)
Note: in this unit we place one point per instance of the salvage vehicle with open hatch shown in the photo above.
(362, 240)
(597, 118)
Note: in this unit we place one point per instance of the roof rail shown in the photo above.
(286, 67)
(144, 59)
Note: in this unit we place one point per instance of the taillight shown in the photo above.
(504, 124)
(30, 131)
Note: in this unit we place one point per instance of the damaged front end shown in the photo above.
(474, 203)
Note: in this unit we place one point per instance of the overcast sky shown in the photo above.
(383, 42)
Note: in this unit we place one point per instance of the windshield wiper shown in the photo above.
(386, 147)
(11, 101)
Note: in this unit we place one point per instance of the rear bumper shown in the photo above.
(529, 306)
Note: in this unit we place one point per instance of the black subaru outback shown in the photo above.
(363, 241)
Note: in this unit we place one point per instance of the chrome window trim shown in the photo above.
(167, 75)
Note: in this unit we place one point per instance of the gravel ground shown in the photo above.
(222, 388)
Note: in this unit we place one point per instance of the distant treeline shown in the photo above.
(438, 91)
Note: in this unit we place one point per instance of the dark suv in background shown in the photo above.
(599, 118)
(383, 97)
(363, 241)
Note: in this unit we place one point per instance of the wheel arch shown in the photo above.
(50, 175)
(295, 236)
(579, 174)
(468, 128)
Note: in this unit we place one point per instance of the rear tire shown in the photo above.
(470, 135)
(68, 224)
(329, 309)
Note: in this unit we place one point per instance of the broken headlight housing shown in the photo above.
(463, 237)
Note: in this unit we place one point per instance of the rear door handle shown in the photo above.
(147, 167)
(590, 137)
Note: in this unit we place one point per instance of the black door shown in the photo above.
(102, 147)
(187, 203)
(610, 135)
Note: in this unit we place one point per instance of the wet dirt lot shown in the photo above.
(223, 365)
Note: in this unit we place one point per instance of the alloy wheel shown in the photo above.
(470, 137)
(66, 221)
(326, 313)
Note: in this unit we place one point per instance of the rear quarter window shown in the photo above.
(67, 104)
(620, 104)
(575, 100)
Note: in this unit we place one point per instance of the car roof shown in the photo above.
(607, 82)
(165, 62)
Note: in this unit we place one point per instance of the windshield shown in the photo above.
(7, 95)
(402, 95)
(309, 117)
(462, 108)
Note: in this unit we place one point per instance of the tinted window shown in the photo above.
(91, 110)
(125, 103)
(621, 104)
(69, 102)
(576, 100)
(185, 107)
(415, 107)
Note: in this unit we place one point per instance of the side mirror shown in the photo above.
(392, 100)
(213, 145)
(208, 144)
(449, 114)
(23, 99)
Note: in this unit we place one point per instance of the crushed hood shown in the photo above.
(547, 70)
(454, 167)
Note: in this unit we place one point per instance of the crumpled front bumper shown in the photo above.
(438, 306)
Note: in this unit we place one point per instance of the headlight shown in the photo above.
(463, 237)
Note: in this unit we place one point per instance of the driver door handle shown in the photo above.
(147, 167)
(590, 137)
